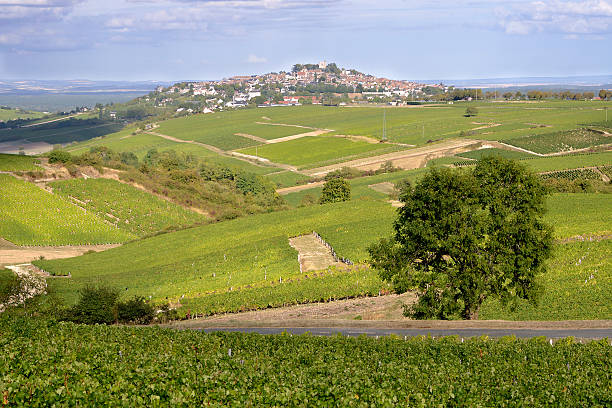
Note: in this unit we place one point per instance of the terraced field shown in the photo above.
(130, 209)
(13, 162)
(32, 216)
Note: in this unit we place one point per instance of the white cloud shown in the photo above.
(254, 59)
(586, 17)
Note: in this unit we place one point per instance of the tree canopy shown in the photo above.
(463, 236)
(335, 190)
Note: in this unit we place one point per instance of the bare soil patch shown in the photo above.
(17, 254)
(385, 188)
(317, 132)
(252, 137)
(312, 254)
(405, 159)
(293, 189)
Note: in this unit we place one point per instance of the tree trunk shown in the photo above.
(471, 312)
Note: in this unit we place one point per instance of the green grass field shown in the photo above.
(286, 178)
(313, 150)
(32, 216)
(129, 208)
(11, 114)
(14, 162)
(572, 161)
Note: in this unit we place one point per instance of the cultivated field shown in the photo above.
(127, 207)
(12, 162)
(162, 367)
(32, 216)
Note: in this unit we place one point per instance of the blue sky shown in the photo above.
(210, 39)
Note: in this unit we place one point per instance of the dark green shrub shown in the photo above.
(335, 190)
(96, 305)
(59, 156)
(135, 310)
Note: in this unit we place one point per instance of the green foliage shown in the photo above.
(463, 237)
(335, 190)
(576, 174)
(148, 366)
(96, 305)
(13, 162)
(8, 285)
(59, 156)
(127, 207)
(578, 286)
(471, 111)
(135, 310)
(32, 216)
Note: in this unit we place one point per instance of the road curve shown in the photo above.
(586, 333)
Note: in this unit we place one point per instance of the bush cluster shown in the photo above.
(101, 305)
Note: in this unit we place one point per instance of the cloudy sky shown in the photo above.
(210, 39)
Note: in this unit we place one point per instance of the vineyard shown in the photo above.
(308, 288)
(507, 154)
(32, 216)
(575, 174)
(314, 150)
(62, 364)
(13, 162)
(225, 256)
(577, 286)
(130, 209)
(565, 141)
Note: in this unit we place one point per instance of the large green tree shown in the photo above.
(463, 236)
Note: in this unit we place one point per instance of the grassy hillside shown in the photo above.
(32, 216)
(129, 208)
(140, 143)
(254, 251)
(11, 114)
(247, 251)
(14, 162)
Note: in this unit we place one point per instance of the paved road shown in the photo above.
(522, 333)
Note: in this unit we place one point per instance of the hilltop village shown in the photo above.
(320, 83)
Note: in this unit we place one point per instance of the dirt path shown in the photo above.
(293, 189)
(317, 132)
(312, 254)
(405, 159)
(32, 282)
(16, 254)
(289, 125)
(51, 121)
(252, 137)
(573, 151)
